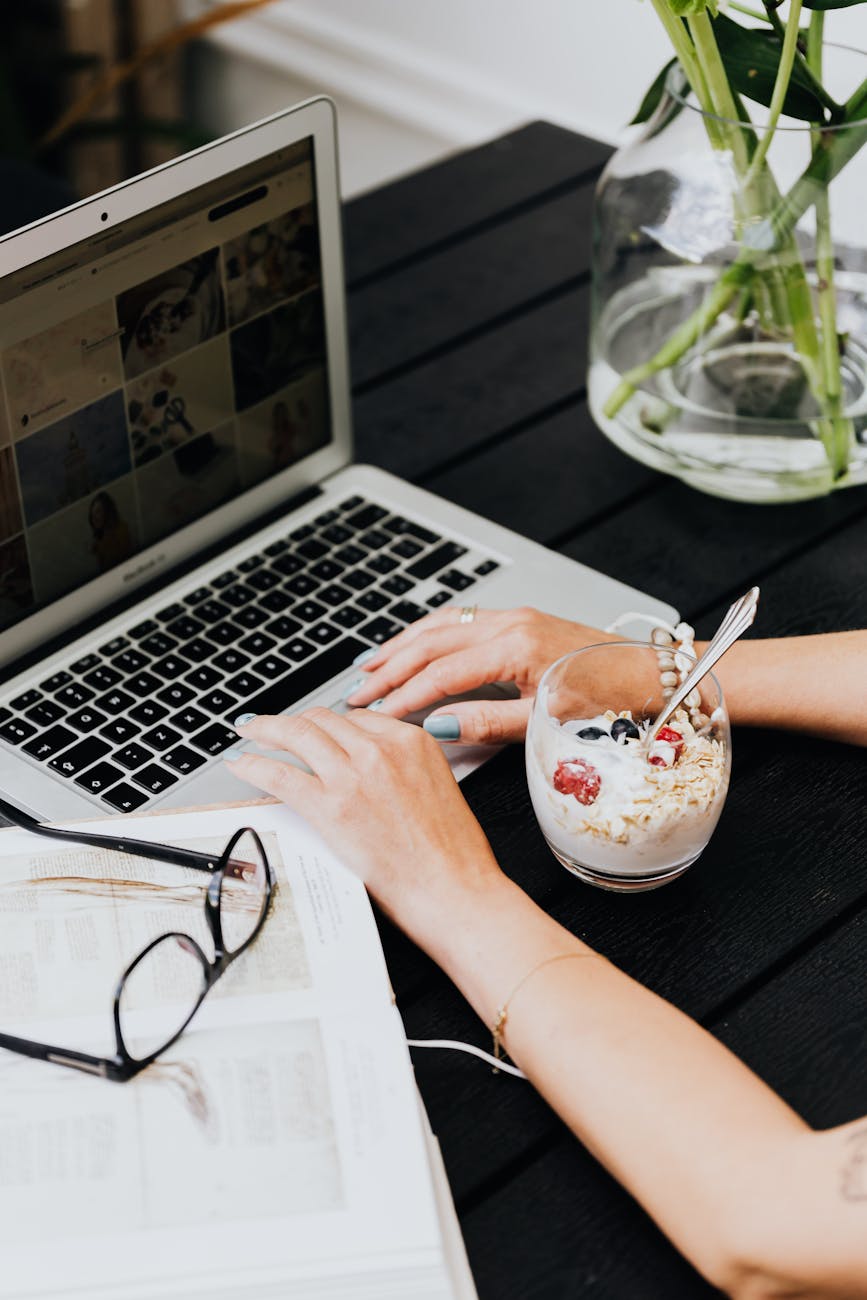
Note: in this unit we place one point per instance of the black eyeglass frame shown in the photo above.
(123, 1065)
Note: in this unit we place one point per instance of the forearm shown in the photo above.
(816, 684)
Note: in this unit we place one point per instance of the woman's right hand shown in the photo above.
(439, 656)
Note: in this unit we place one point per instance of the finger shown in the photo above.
(306, 735)
(445, 616)
(288, 783)
(449, 675)
(408, 661)
(480, 722)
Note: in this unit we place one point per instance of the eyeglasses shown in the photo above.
(146, 1022)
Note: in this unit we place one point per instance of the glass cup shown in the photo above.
(614, 812)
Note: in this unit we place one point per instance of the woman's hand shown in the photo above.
(441, 656)
(381, 794)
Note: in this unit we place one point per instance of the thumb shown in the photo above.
(480, 722)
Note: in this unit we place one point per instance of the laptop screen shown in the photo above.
(154, 373)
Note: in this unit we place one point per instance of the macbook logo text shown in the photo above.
(140, 570)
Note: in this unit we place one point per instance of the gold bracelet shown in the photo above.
(503, 1012)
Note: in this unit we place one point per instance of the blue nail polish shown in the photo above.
(232, 755)
(351, 688)
(445, 726)
(243, 718)
(375, 705)
(364, 656)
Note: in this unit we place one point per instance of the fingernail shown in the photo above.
(232, 755)
(375, 705)
(364, 656)
(445, 726)
(351, 688)
(243, 718)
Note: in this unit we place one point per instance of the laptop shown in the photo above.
(183, 533)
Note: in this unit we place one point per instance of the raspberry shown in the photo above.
(577, 776)
(657, 760)
(672, 737)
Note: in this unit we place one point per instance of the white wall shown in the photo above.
(416, 79)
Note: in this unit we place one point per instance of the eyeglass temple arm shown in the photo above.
(139, 848)
(60, 1056)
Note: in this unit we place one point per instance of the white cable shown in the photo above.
(633, 617)
(452, 1046)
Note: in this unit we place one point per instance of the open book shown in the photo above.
(277, 1149)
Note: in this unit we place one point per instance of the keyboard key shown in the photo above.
(303, 531)
(382, 563)
(161, 737)
(366, 517)
(264, 580)
(113, 702)
(336, 534)
(144, 629)
(288, 564)
(212, 611)
(186, 627)
(375, 539)
(277, 548)
(327, 517)
(323, 633)
(202, 679)
(5, 714)
(381, 629)
(74, 695)
(102, 678)
(56, 680)
(406, 548)
(351, 503)
(224, 634)
(350, 555)
(143, 684)
(124, 798)
(84, 665)
(487, 566)
(113, 647)
(270, 667)
(282, 694)
(183, 760)
(25, 701)
(170, 667)
(148, 712)
(372, 600)
(435, 560)
(197, 596)
(44, 713)
(196, 650)
(176, 695)
(397, 585)
(358, 579)
(302, 584)
(297, 648)
(214, 739)
(189, 719)
(130, 661)
(252, 562)
(309, 610)
(80, 756)
(276, 601)
(250, 617)
(334, 595)
(16, 730)
(283, 627)
(50, 742)
(418, 530)
(349, 616)
(173, 611)
(220, 701)
(238, 595)
(244, 684)
(158, 644)
(229, 661)
(224, 580)
(133, 756)
(406, 611)
(120, 731)
(326, 570)
(154, 779)
(86, 719)
(257, 643)
(456, 580)
(99, 778)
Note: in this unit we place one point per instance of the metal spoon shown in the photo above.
(739, 617)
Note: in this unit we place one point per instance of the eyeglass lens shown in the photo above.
(244, 895)
(159, 994)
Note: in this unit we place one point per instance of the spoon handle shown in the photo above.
(739, 617)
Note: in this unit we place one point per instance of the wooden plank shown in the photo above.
(468, 286)
(401, 220)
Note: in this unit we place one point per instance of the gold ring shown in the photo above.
(468, 613)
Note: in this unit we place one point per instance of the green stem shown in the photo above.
(750, 13)
(714, 73)
(773, 17)
(781, 85)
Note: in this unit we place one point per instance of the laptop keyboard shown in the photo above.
(154, 705)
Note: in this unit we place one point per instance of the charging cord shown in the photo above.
(450, 1045)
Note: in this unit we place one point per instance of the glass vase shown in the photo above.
(729, 338)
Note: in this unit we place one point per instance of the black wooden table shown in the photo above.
(468, 300)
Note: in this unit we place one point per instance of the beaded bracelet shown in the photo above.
(675, 652)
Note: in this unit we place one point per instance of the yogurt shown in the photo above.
(610, 805)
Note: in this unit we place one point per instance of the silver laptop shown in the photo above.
(183, 534)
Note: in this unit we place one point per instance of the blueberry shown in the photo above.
(623, 727)
(592, 733)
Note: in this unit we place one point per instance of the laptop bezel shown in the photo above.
(314, 118)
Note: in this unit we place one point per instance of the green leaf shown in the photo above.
(683, 8)
(650, 103)
(751, 56)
